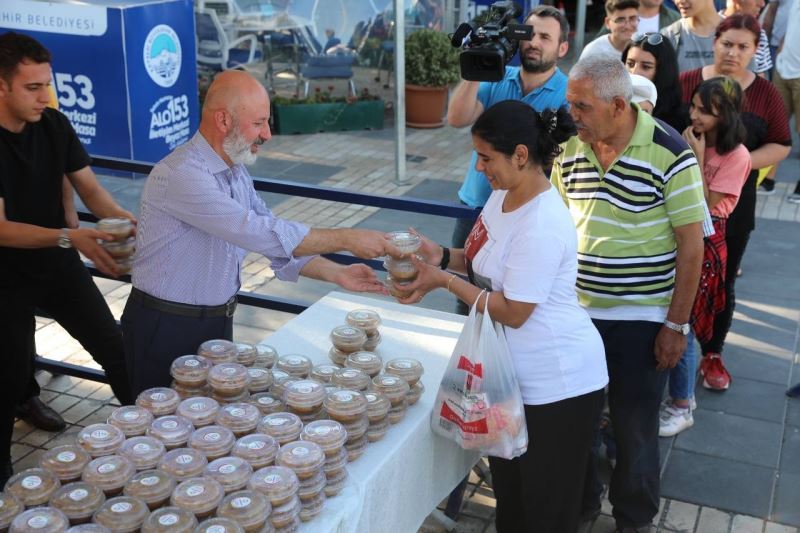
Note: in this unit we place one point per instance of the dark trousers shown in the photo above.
(541, 490)
(635, 390)
(736, 241)
(153, 339)
(73, 300)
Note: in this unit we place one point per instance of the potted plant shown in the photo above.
(431, 66)
(322, 111)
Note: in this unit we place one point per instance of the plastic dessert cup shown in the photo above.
(406, 368)
(100, 439)
(89, 527)
(219, 525)
(336, 483)
(232, 473)
(241, 418)
(190, 392)
(295, 365)
(10, 506)
(39, 519)
(223, 399)
(356, 448)
(351, 378)
(372, 342)
(357, 428)
(212, 441)
(245, 354)
(283, 427)
(311, 508)
(183, 463)
(122, 249)
(249, 508)
(304, 396)
(346, 406)
(190, 370)
(173, 430)
(109, 473)
(199, 495)
(218, 351)
(337, 357)
(378, 406)
(405, 241)
(369, 362)
(153, 487)
(123, 513)
(415, 393)
(131, 419)
(329, 435)
(393, 387)
(312, 486)
(228, 379)
(199, 410)
(66, 462)
(286, 517)
(304, 457)
(267, 403)
(33, 486)
(397, 288)
(170, 520)
(377, 430)
(366, 319)
(335, 464)
(160, 401)
(323, 373)
(259, 449)
(266, 355)
(348, 339)
(119, 228)
(278, 483)
(78, 501)
(144, 452)
(260, 379)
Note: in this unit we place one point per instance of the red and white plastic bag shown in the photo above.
(479, 405)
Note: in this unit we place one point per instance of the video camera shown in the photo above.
(488, 48)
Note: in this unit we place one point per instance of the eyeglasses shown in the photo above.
(652, 38)
(630, 20)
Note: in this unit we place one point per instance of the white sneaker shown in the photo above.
(668, 402)
(674, 420)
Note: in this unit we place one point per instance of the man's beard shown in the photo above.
(238, 148)
(534, 66)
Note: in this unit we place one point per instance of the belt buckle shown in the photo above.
(230, 308)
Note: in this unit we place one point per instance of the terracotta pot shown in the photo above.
(425, 106)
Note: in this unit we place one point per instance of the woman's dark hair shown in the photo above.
(16, 48)
(722, 97)
(740, 21)
(669, 107)
(510, 123)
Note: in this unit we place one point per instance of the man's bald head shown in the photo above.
(235, 91)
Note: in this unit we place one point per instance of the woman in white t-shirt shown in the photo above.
(523, 248)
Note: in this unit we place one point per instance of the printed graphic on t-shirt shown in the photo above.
(476, 239)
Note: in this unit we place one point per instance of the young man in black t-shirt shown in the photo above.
(39, 262)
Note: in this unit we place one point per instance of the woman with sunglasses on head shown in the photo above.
(769, 142)
(652, 56)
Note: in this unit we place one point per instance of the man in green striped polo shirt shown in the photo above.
(635, 192)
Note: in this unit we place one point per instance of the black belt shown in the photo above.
(193, 311)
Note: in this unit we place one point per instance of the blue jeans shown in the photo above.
(682, 377)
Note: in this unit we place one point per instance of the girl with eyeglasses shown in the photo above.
(652, 56)
(716, 135)
(769, 142)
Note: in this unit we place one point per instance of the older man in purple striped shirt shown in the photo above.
(200, 215)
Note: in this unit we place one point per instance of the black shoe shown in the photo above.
(6, 471)
(767, 188)
(793, 392)
(38, 413)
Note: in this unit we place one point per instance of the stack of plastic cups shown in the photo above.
(280, 485)
(349, 408)
(346, 339)
(295, 365)
(331, 436)
(260, 380)
(378, 406)
(189, 374)
(280, 380)
(229, 383)
(369, 321)
(124, 243)
(395, 389)
(306, 459)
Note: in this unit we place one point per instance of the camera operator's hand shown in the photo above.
(464, 107)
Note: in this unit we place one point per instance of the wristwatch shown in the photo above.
(63, 240)
(680, 328)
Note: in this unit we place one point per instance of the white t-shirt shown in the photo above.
(601, 47)
(530, 254)
(788, 61)
(648, 24)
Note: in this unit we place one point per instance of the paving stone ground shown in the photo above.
(737, 470)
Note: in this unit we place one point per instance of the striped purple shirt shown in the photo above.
(198, 220)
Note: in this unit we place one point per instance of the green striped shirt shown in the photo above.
(624, 216)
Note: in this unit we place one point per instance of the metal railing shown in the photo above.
(274, 303)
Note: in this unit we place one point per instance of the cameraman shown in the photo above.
(539, 83)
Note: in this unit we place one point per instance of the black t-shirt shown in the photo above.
(32, 165)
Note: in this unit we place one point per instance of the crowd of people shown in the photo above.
(616, 202)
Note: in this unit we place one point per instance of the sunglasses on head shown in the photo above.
(652, 38)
